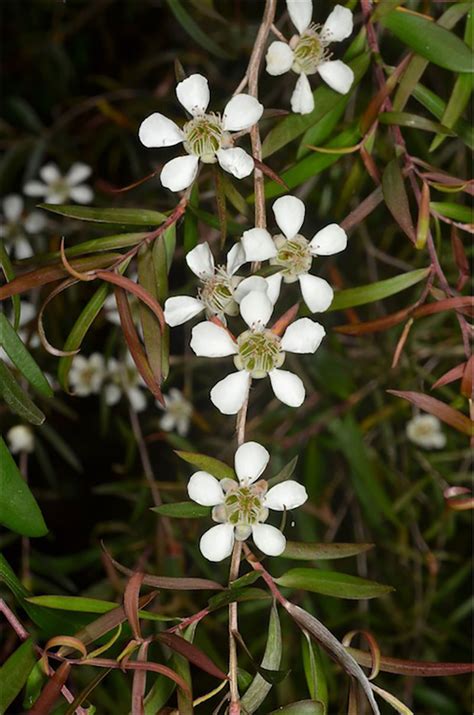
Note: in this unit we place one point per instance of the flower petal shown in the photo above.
(158, 131)
(22, 248)
(256, 309)
(331, 239)
(35, 188)
(209, 340)
(339, 25)
(248, 285)
(230, 393)
(289, 214)
(250, 461)
(77, 173)
(179, 173)
(181, 308)
(337, 75)
(112, 394)
(303, 336)
(287, 387)
(50, 173)
(12, 207)
(236, 161)
(217, 543)
(301, 13)
(258, 244)
(193, 93)
(286, 495)
(273, 286)
(34, 222)
(235, 258)
(317, 293)
(241, 112)
(279, 58)
(205, 490)
(268, 539)
(201, 261)
(137, 399)
(302, 100)
(82, 194)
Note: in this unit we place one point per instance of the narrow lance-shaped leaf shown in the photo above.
(192, 28)
(301, 551)
(192, 653)
(371, 292)
(183, 510)
(17, 399)
(21, 358)
(14, 673)
(9, 273)
(214, 466)
(259, 687)
(151, 328)
(332, 583)
(128, 217)
(444, 412)
(396, 198)
(301, 707)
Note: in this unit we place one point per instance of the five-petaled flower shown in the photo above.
(294, 253)
(258, 352)
(57, 188)
(87, 374)
(124, 380)
(15, 224)
(206, 136)
(307, 53)
(425, 431)
(178, 412)
(241, 508)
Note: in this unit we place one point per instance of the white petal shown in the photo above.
(339, 25)
(241, 112)
(137, 399)
(193, 93)
(287, 387)
(230, 393)
(201, 261)
(55, 197)
(50, 173)
(337, 75)
(35, 188)
(77, 173)
(205, 490)
(112, 394)
(22, 248)
(209, 340)
(34, 222)
(303, 336)
(268, 539)
(179, 173)
(273, 286)
(256, 309)
(235, 258)
(181, 308)
(157, 131)
(258, 244)
(167, 422)
(236, 161)
(217, 543)
(248, 285)
(301, 13)
(317, 293)
(286, 495)
(250, 461)
(28, 312)
(331, 239)
(279, 58)
(12, 207)
(82, 194)
(289, 214)
(302, 100)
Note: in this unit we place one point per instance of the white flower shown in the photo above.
(241, 508)
(15, 224)
(257, 352)
(178, 412)
(294, 253)
(21, 439)
(425, 431)
(307, 53)
(206, 136)
(56, 188)
(124, 380)
(87, 374)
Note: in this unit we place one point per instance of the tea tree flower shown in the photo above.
(241, 507)
(15, 225)
(87, 374)
(124, 380)
(294, 253)
(56, 188)
(257, 352)
(20, 438)
(307, 53)
(206, 137)
(178, 412)
(425, 431)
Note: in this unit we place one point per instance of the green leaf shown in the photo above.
(183, 510)
(322, 130)
(192, 28)
(314, 671)
(332, 583)
(437, 107)
(96, 245)
(302, 551)
(284, 473)
(429, 40)
(21, 358)
(302, 707)
(128, 217)
(14, 673)
(218, 469)
(17, 399)
(233, 228)
(81, 604)
(377, 291)
(396, 198)
(259, 688)
(451, 210)
(405, 119)
(238, 595)
(19, 510)
(9, 274)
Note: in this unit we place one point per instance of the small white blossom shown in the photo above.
(307, 53)
(425, 431)
(15, 224)
(257, 352)
(178, 413)
(87, 374)
(56, 188)
(206, 136)
(241, 508)
(21, 439)
(294, 253)
(124, 380)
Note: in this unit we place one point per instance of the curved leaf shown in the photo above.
(21, 358)
(17, 399)
(128, 217)
(302, 551)
(218, 469)
(371, 292)
(259, 687)
(19, 510)
(332, 583)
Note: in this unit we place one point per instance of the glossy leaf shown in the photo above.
(14, 673)
(17, 399)
(19, 510)
(127, 217)
(371, 292)
(332, 583)
(183, 510)
(21, 358)
(214, 466)
(444, 412)
(396, 198)
(82, 604)
(457, 212)
(302, 551)
(259, 687)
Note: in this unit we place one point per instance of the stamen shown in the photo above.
(203, 136)
(259, 352)
(217, 293)
(310, 51)
(293, 255)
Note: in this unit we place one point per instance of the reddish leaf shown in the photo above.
(265, 169)
(455, 373)
(363, 210)
(396, 198)
(467, 379)
(420, 668)
(460, 258)
(457, 498)
(282, 323)
(376, 103)
(51, 691)
(130, 602)
(132, 287)
(136, 665)
(191, 653)
(139, 682)
(444, 412)
(423, 225)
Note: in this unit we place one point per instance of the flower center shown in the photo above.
(309, 51)
(293, 256)
(60, 187)
(259, 352)
(217, 293)
(244, 505)
(204, 136)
